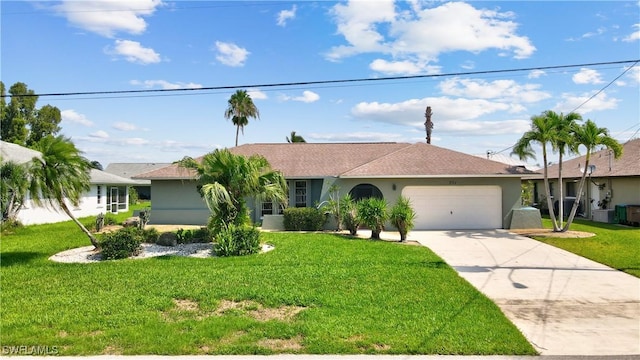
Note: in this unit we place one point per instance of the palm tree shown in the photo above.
(563, 142)
(240, 109)
(61, 175)
(226, 180)
(295, 138)
(542, 132)
(13, 188)
(590, 136)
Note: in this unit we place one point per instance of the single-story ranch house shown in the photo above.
(108, 192)
(448, 189)
(129, 170)
(610, 181)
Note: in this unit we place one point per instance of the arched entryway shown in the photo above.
(364, 191)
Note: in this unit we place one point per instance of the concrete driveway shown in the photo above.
(564, 304)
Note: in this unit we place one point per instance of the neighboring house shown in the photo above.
(610, 181)
(129, 170)
(448, 189)
(108, 192)
(505, 159)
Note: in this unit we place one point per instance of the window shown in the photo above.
(365, 191)
(300, 188)
(270, 208)
(99, 193)
(571, 189)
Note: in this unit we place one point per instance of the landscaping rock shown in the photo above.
(167, 239)
(131, 222)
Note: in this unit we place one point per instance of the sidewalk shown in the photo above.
(564, 304)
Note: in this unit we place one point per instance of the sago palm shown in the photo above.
(13, 188)
(60, 177)
(240, 108)
(591, 136)
(226, 180)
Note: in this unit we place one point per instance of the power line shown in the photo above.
(320, 82)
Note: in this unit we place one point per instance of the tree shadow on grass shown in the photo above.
(16, 258)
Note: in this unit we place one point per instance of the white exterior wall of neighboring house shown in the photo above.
(177, 202)
(31, 214)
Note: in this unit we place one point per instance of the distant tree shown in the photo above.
(60, 176)
(295, 138)
(22, 123)
(240, 108)
(95, 164)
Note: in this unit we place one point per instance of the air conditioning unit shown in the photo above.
(604, 216)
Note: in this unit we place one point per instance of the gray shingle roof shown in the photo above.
(315, 160)
(627, 165)
(129, 170)
(16, 153)
(100, 177)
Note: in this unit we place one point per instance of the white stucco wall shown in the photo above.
(30, 214)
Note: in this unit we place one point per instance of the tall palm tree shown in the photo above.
(61, 175)
(563, 142)
(542, 132)
(295, 138)
(239, 109)
(226, 180)
(590, 136)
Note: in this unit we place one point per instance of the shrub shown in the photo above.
(402, 216)
(304, 219)
(121, 244)
(133, 195)
(150, 235)
(372, 213)
(349, 215)
(200, 235)
(237, 240)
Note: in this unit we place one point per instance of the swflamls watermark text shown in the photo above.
(29, 350)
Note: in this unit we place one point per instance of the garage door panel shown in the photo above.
(456, 207)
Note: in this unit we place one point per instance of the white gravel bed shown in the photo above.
(87, 254)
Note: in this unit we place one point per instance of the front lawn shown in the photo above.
(314, 293)
(614, 245)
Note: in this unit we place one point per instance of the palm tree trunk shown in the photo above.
(237, 134)
(552, 214)
(579, 195)
(92, 238)
(560, 191)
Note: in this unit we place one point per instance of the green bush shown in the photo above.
(372, 213)
(304, 219)
(402, 216)
(349, 215)
(201, 235)
(150, 235)
(237, 240)
(133, 195)
(121, 244)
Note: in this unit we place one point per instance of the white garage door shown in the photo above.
(456, 207)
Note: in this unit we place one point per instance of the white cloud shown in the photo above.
(166, 85)
(285, 15)
(534, 74)
(354, 137)
(109, 17)
(405, 67)
(231, 54)
(425, 33)
(100, 134)
(133, 52)
(484, 127)
(71, 116)
(124, 126)
(133, 141)
(182, 147)
(307, 97)
(634, 36)
(587, 76)
(505, 90)
(599, 102)
(256, 94)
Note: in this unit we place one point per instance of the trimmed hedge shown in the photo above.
(237, 240)
(304, 219)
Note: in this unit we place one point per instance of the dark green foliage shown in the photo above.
(201, 235)
(237, 241)
(121, 244)
(349, 215)
(304, 219)
(145, 216)
(150, 235)
(372, 213)
(402, 216)
(133, 195)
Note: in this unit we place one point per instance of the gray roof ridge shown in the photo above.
(408, 145)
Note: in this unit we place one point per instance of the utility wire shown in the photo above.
(319, 82)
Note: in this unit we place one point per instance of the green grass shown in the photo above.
(614, 245)
(359, 296)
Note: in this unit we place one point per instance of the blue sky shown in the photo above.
(83, 46)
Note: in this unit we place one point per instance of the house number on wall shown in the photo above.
(452, 182)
